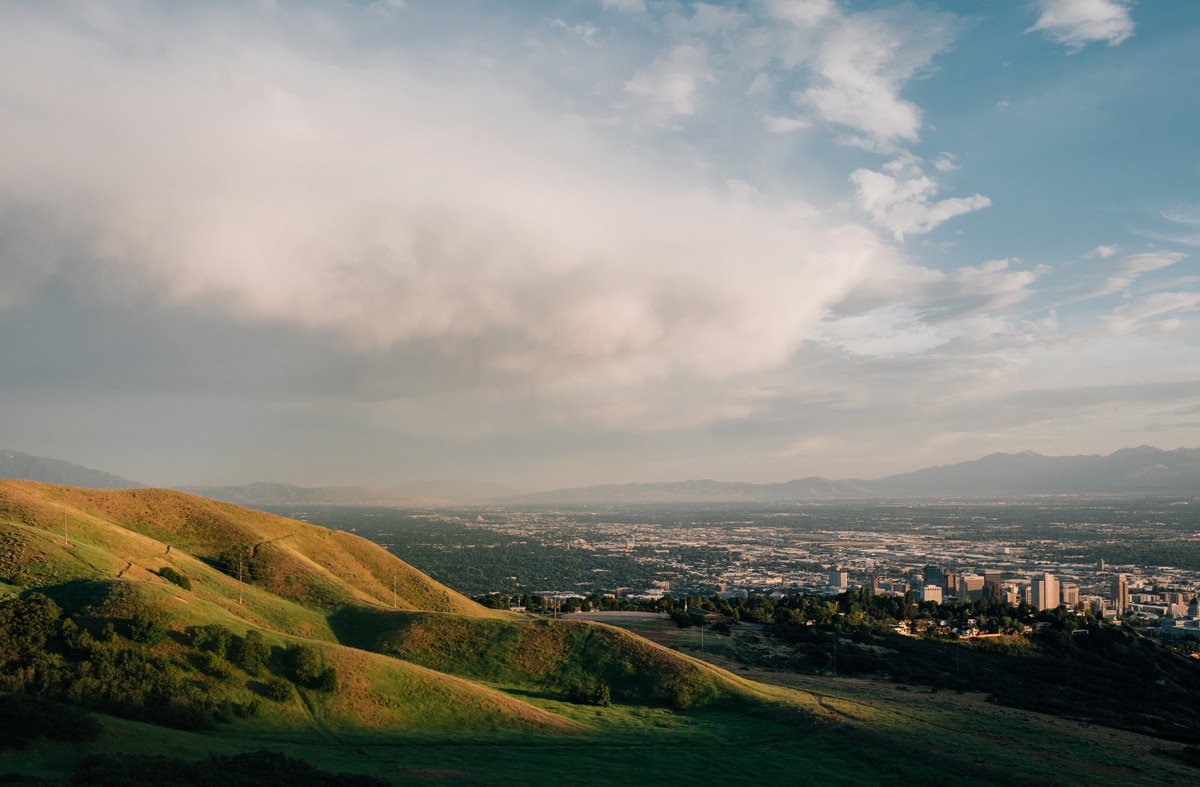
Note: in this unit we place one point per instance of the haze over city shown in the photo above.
(584, 242)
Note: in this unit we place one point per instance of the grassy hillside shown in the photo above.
(127, 605)
(139, 530)
(555, 656)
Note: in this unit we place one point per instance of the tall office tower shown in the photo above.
(950, 583)
(839, 579)
(1070, 594)
(932, 575)
(971, 586)
(1120, 594)
(1044, 593)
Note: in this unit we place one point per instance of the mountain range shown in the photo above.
(1140, 470)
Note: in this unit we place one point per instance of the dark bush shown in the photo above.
(173, 576)
(253, 653)
(328, 682)
(278, 689)
(307, 668)
(212, 638)
(147, 629)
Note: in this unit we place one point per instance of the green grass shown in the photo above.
(438, 697)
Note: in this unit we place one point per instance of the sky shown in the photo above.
(596, 241)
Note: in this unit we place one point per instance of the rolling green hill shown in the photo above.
(186, 628)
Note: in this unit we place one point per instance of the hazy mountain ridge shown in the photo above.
(1140, 470)
(26, 467)
(262, 493)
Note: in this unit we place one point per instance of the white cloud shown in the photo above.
(945, 163)
(903, 202)
(803, 13)
(1077, 23)
(1138, 315)
(370, 205)
(1137, 264)
(670, 83)
(861, 62)
(584, 31)
(625, 6)
(1104, 251)
(784, 125)
(1127, 272)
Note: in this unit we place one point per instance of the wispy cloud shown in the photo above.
(626, 6)
(1142, 314)
(785, 125)
(1127, 271)
(903, 202)
(1077, 23)
(670, 84)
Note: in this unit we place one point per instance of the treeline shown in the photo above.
(132, 667)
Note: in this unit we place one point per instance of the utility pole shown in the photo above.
(240, 579)
(66, 540)
(394, 605)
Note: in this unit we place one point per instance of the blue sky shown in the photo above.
(567, 243)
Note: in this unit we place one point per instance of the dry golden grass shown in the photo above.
(138, 525)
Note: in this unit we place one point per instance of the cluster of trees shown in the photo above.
(145, 675)
(598, 694)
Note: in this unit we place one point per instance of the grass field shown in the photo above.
(447, 693)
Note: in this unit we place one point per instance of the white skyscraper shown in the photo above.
(1045, 593)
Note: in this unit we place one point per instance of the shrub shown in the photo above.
(278, 689)
(253, 653)
(147, 629)
(216, 666)
(305, 665)
(580, 694)
(212, 638)
(328, 682)
(173, 576)
(577, 693)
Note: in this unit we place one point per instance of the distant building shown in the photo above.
(950, 583)
(839, 580)
(1070, 594)
(931, 593)
(1044, 592)
(933, 575)
(970, 587)
(1120, 594)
